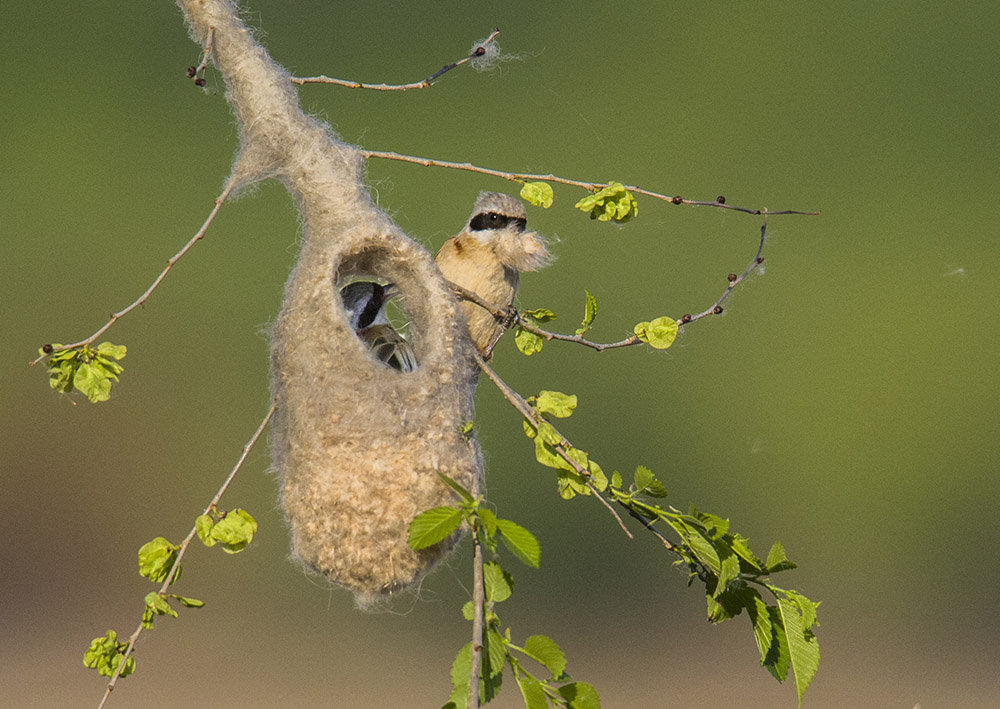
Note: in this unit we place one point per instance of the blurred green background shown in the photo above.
(846, 403)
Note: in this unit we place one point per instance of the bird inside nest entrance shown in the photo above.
(366, 303)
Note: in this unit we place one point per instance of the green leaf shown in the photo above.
(93, 382)
(189, 602)
(469, 611)
(580, 695)
(545, 650)
(643, 478)
(729, 570)
(538, 193)
(613, 203)
(105, 655)
(597, 476)
(432, 526)
(203, 526)
(777, 561)
(532, 693)
(616, 480)
(660, 333)
(803, 648)
(495, 655)
(488, 519)
(540, 314)
(108, 349)
(520, 541)
(234, 531)
(158, 604)
(556, 403)
(742, 548)
(457, 487)
(589, 314)
(460, 676)
(155, 559)
(466, 429)
(527, 342)
(499, 584)
(763, 633)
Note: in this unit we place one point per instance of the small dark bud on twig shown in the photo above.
(760, 260)
(717, 310)
(721, 199)
(480, 51)
(732, 277)
(199, 82)
(686, 317)
(47, 348)
(677, 199)
(191, 71)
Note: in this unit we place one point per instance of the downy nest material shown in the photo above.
(356, 443)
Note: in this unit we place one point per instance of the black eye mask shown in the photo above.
(495, 220)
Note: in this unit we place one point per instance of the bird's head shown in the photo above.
(500, 222)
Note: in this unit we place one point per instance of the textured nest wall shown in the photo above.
(355, 444)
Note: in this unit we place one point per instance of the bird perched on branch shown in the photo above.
(486, 257)
(365, 304)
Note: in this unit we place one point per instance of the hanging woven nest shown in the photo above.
(357, 443)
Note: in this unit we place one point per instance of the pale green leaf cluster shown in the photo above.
(659, 333)
(613, 203)
(233, 530)
(105, 655)
(528, 342)
(89, 370)
(538, 193)
(553, 688)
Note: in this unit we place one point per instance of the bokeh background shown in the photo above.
(846, 404)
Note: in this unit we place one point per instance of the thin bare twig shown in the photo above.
(141, 300)
(592, 186)
(478, 51)
(522, 321)
(184, 545)
(562, 447)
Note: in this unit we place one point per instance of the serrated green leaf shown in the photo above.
(189, 602)
(742, 548)
(555, 403)
(460, 676)
(469, 610)
(203, 526)
(540, 314)
(589, 314)
(155, 559)
(659, 333)
(234, 531)
(527, 342)
(538, 193)
(488, 519)
(643, 478)
(495, 655)
(803, 647)
(545, 651)
(580, 695)
(432, 526)
(457, 487)
(532, 693)
(776, 559)
(499, 584)
(763, 634)
(729, 570)
(520, 541)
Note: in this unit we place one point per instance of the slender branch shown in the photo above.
(184, 545)
(141, 300)
(562, 447)
(525, 322)
(478, 51)
(194, 72)
(719, 203)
